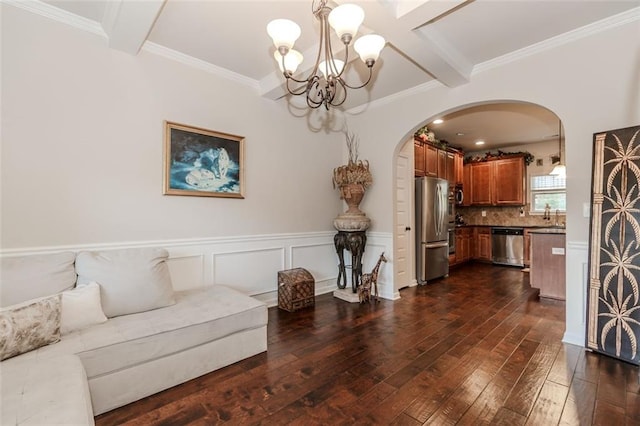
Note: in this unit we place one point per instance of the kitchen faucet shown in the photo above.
(557, 223)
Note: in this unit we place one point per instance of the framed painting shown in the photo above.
(202, 163)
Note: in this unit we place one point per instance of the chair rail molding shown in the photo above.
(249, 263)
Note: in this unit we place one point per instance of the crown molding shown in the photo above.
(52, 12)
(623, 18)
(188, 60)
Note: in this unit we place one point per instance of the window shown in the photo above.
(547, 189)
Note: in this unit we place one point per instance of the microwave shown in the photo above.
(458, 195)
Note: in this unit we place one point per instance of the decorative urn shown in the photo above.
(352, 180)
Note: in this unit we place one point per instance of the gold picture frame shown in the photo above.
(202, 163)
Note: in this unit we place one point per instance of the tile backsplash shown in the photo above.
(505, 216)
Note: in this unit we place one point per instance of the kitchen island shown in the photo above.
(548, 262)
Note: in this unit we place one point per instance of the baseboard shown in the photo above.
(573, 339)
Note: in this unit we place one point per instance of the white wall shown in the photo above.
(81, 164)
(82, 141)
(591, 83)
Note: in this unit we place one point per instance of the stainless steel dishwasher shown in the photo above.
(507, 246)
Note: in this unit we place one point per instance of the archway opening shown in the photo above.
(505, 126)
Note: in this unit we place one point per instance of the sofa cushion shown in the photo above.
(199, 317)
(44, 392)
(30, 277)
(81, 308)
(131, 280)
(29, 325)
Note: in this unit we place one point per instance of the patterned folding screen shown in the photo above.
(613, 326)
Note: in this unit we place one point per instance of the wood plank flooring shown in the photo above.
(478, 347)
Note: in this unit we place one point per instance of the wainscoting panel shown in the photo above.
(187, 272)
(251, 271)
(251, 263)
(576, 298)
(320, 260)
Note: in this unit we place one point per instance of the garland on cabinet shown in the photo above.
(423, 134)
(528, 157)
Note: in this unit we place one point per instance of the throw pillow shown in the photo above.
(29, 325)
(131, 280)
(81, 308)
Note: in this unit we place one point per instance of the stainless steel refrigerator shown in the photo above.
(432, 232)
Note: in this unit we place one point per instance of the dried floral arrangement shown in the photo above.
(356, 171)
(528, 157)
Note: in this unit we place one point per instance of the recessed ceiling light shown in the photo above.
(438, 121)
(459, 134)
(480, 143)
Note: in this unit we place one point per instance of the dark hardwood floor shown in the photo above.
(479, 347)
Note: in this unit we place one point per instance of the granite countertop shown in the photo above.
(552, 230)
(538, 229)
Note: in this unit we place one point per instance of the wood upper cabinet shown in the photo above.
(442, 163)
(466, 185)
(450, 168)
(434, 162)
(458, 167)
(497, 182)
(509, 182)
(482, 183)
(431, 160)
(419, 158)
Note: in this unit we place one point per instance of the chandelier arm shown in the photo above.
(311, 101)
(363, 84)
(288, 75)
(298, 90)
(292, 78)
(344, 93)
(322, 17)
(329, 54)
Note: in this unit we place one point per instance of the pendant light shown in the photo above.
(560, 170)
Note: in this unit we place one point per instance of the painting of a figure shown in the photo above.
(202, 162)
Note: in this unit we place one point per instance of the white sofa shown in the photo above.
(109, 364)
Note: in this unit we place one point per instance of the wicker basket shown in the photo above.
(296, 289)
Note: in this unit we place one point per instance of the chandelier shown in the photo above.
(325, 84)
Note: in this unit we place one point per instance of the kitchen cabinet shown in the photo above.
(466, 185)
(499, 182)
(509, 182)
(547, 270)
(482, 243)
(482, 183)
(450, 169)
(431, 161)
(435, 162)
(458, 166)
(419, 158)
(442, 163)
(464, 237)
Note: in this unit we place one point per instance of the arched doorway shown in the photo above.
(503, 125)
